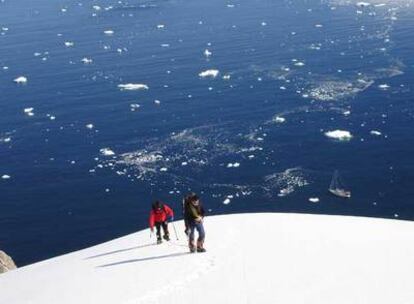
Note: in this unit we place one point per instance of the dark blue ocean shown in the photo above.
(122, 102)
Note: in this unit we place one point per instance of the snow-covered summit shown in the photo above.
(251, 258)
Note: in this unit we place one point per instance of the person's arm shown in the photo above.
(169, 212)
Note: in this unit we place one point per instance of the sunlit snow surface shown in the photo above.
(123, 102)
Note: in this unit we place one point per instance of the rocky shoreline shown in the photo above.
(6, 262)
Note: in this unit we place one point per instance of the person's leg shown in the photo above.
(191, 244)
(165, 229)
(158, 227)
(201, 237)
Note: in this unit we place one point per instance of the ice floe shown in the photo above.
(383, 86)
(20, 80)
(134, 107)
(209, 73)
(69, 43)
(5, 176)
(339, 135)
(233, 165)
(107, 152)
(207, 53)
(133, 86)
(160, 26)
(279, 119)
(314, 199)
(109, 32)
(375, 132)
(86, 60)
(89, 126)
(28, 111)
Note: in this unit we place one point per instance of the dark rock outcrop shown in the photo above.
(6, 262)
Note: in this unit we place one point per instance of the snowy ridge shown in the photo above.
(251, 258)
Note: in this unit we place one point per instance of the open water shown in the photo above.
(130, 101)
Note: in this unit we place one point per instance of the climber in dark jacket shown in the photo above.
(193, 217)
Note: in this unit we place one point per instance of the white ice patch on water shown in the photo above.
(133, 86)
(69, 43)
(339, 135)
(209, 73)
(89, 126)
(109, 32)
(86, 60)
(134, 107)
(5, 176)
(375, 132)
(279, 119)
(20, 80)
(107, 152)
(29, 111)
(331, 90)
(207, 53)
(314, 199)
(233, 165)
(286, 182)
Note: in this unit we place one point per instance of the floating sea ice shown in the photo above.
(184, 163)
(318, 25)
(230, 5)
(207, 53)
(165, 45)
(28, 111)
(163, 169)
(5, 176)
(209, 73)
(20, 80)
(339, 134)
(96, 7)
(226, 201)
(109, 32)
(226, 77)
(134, 107)
(69, 43)
(375, 132)
(106, 152)
(363, 4)
(279, 119)
(263, 23)
(5, 68)
(160, 26)
(86, 60)
(233, 165)
(90, 126)
(300, 63)
(5, 140)
(133, 86)
(157, 102)
(314, 199)
(383, 86)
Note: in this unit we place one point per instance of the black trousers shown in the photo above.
(164, 226)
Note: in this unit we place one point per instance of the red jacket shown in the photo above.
(160, 215)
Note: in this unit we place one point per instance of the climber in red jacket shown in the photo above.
(159, 216)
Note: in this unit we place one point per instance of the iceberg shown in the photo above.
(133, 86)
(20, 80)
(339, 135)
(107, 152)
(209, 73)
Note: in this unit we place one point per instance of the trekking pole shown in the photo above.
(176, 235)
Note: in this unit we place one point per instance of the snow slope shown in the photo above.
(251, 258)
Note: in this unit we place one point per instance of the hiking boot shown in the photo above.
(192, 249)
(159, 241)
(200, 249)
(166, 237)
